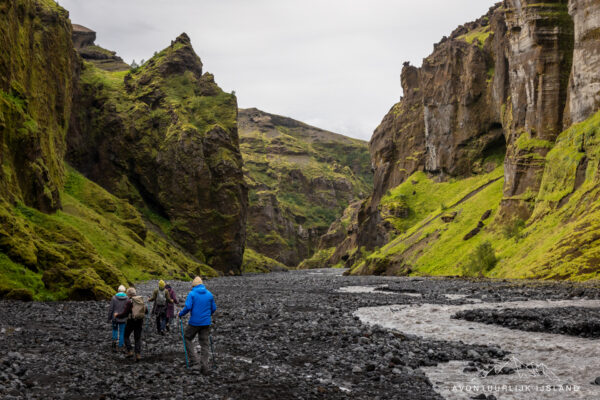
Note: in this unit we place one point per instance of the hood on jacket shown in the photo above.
(121, 296)
(200, 289)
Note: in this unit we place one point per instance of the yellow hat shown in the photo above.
(197, 281)
(161, 284)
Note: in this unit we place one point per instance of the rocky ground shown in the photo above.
(574, 321)
(277, 336)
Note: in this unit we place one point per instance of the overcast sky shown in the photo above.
(334, 64)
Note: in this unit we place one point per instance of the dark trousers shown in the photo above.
(161, 318)
(203, 333)
(136, 326)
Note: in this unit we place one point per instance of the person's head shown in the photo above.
(131, 292)
(161, 284)
(167, 286)
(121, 289)
(197, 281)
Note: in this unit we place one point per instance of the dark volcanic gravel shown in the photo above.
(277, 336)
(574, 321)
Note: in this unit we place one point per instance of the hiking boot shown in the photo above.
(204, 370)
(129, 354)
(114, 346)
(138, 357)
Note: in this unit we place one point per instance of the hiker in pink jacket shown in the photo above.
(171, 306)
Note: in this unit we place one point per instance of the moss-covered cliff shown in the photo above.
(37, 61)
(164, 136)
(300, 179)
(514, 79)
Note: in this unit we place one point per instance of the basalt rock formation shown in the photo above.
(497, 92)
(300, 178)
(162, 139)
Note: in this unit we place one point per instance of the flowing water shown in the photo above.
(561, 367)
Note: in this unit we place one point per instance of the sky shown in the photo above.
(334, 64)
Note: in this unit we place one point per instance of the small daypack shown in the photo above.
(138, 309)
(161, 298)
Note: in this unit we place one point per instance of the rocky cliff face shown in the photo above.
(584, 82)
(84, 42)
(502, 87)
(164, 136)
(300, 177)
(36, 72)
(539, 53)
(61, 236)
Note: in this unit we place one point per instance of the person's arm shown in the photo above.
(188, 306)
(111, 309)
(168, 296)
(126, 311)
(175, 298)
(213, 306)
(154, 294)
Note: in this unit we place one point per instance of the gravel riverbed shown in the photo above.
(278, 336)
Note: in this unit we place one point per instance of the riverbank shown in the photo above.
(288, 335)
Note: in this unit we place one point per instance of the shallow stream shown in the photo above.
(561, 367)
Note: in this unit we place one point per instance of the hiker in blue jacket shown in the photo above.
(201, 304)
(117, 305)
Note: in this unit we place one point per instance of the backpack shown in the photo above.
(138, 309)
(161, 298)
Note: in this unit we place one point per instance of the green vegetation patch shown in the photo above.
(258, 263)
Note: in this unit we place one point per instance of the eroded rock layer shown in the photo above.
(499, 90)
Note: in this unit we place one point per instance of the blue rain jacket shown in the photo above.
(200, 303)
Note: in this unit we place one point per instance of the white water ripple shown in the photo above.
(564, 360)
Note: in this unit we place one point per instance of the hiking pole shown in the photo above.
(187, 364)
(212, 350)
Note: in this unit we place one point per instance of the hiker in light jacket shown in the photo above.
(171, 306)
(200, 303)
(135, 312)
(161, 298)
(117, 305)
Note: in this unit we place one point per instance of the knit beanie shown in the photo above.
(197, 281)
(161, 284)
(121, 289)
(131, 292)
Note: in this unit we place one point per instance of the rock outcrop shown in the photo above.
(84, 42)
(300, 177)
(37, 63)
(539, 52)
(164, 136)
(500, 88)
(584, 83)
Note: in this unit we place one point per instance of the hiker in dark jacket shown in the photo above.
(117, 305)
(171, 306)
(201, 304)
(135, 312)
(161, 298)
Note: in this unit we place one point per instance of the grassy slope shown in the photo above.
(95, 235)
(258, 263)
(560, 241)
(318, 154)
(328, 159)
